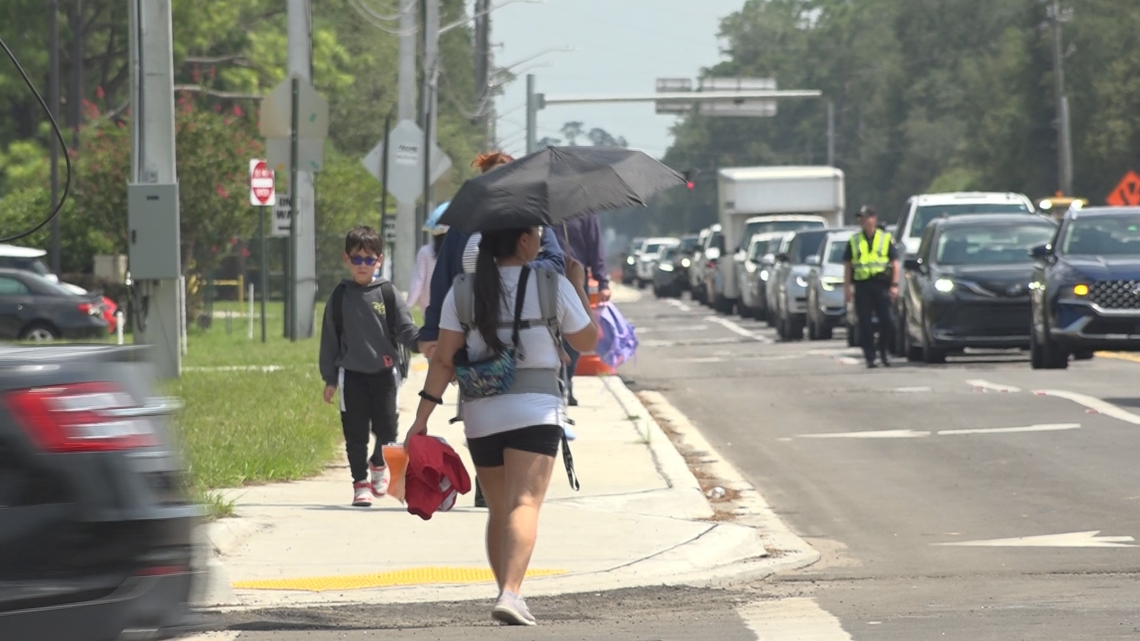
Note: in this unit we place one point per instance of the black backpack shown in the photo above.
(389, 293)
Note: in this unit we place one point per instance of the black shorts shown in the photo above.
(487, 451)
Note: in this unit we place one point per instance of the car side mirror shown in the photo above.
(781, 257)
(913, 264)
(1042, 252)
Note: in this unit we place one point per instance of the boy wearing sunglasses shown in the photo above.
(363, 323)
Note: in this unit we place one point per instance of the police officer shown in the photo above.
(871, 273)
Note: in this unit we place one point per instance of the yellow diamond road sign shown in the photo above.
(277, 112)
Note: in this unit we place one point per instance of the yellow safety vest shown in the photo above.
(870, 261)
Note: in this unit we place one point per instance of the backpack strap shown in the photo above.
(463, 287)
(337, 303)
(388, 291)
(548, 303)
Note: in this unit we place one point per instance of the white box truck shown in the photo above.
(755, 200)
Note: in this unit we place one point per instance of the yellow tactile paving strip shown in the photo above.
(410, 576)
(1124, 356)
(419, 366)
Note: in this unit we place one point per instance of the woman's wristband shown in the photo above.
(428, 397)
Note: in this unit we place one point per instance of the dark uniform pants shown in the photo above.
(873, 297)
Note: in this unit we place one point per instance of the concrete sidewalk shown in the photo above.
(639, 519)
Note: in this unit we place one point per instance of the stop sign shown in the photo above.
(262, 191)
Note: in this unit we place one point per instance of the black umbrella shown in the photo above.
(556, 184)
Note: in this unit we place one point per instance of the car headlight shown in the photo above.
(630, 261)
(944, 285)
(764, 275)
(829, 284)
(801, 281)
(665, 267)
(685, 262)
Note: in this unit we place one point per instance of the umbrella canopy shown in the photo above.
(432, 222)
(556, 184)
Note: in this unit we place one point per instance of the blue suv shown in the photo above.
(1085, 288)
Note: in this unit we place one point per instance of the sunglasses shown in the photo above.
(363, 260)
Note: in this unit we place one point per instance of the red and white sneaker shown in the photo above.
(361, 494)
(381, 477)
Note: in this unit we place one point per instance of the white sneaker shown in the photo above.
(361, 494)
(381, 477)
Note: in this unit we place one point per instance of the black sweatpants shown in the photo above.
(873, 297)
(369, 405)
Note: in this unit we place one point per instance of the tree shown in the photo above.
(573, 130)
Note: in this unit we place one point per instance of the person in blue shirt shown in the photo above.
(457, 255)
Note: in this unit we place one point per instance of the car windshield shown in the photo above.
(669, 253)
(759, 249)
(836, 250)
(33, 265)
(689, 243)
(807, 246)
(1116, 235)
(924, 214)
(652, 248)
(991, 244)
(765, 226)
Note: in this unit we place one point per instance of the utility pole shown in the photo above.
(78, 50)
(1064, 142)
(483, 69)
(152, 214)
(303, 259)
(53, 100)
(404, 253)
(532, 108)
(430, 106)
(830, 134)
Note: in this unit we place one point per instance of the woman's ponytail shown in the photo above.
(488, 286)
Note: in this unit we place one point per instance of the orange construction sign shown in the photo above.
(1127, 193)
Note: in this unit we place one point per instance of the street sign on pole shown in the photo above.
(674, 85)
(405, 162)
(311, 152)
(312, 112)
(262, 189)
(281, 219)
(744, 108)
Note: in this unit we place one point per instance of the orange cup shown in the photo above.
(396, 458)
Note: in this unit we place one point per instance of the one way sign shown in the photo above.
(280, 226)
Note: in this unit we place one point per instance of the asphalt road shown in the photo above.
(912, 480)
(974, 500)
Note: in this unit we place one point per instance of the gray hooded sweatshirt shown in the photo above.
(366, 346)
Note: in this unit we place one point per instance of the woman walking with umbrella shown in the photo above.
(493, 335)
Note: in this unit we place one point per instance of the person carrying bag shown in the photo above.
(500, 337)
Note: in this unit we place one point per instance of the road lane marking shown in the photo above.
(872, 434)
(672, 328)
(791, 619)
(1122, 356)
(1097, 405)
(688, 343)
(1069, 540)
(983, 386)
(911, 390)
(1045, 427)
(737, 329)
(681, 305)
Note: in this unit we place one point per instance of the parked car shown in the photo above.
(826, 303)
(790, 282)
(671, 277)
(648, 256)
(968, 285)
(629, 261)
(30, 259)
(757, 270)
(770, 289)
(921, 209)
(726, 297)
(697, 259)
(36, 309)
(1085, 287)
(96, 537)
(714, 251)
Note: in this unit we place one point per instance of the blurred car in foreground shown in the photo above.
(95, 525)
(968, 285)
(1085, 288)
(826, 306)
(34, 308)
(672, 275)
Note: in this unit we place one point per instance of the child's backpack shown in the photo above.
(388, 291)
(617, 340)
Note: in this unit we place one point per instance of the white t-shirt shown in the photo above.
(487, 416)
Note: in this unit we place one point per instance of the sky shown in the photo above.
(620, 47)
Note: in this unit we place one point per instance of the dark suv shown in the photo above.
(1085, 289)
(95, 527)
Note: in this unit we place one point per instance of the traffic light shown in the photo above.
(689, 175)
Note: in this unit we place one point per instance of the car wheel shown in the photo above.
(931, 355)
(912, 352)
(794, 330)
(1036, 351)
(39, 332)
(824, 331)
(1052, 356)
(1083, 356)
(657, 292)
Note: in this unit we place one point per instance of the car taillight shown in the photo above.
(80, 417)
(91, 309)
